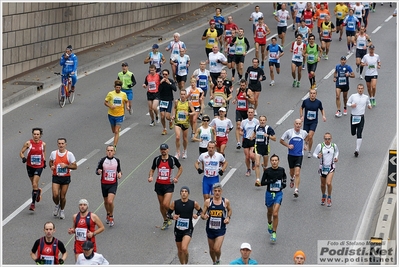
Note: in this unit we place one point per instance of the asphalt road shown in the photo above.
(136, 237)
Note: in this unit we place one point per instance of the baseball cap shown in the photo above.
(217, 185)
(125, 64)
(245, 246)
(222, 109)
(212, 21)
(371, 46)
(87, 245)
(163, 146)
(155, 46)
(343, 58)
(298, 253)
(84, 201)
(186, 188)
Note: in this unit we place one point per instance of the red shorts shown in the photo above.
(261, 41)
(221, 141)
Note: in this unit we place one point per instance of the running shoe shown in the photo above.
(257, 183)
(275, 12)
(293, 27)
(164, 132)
(296, 192)
(248, 173)
(373, 103)
(39, 195)
(313, 86)
(294, 84)
(340, 39)
(170, 222)
(184, 154)
(323, 199)
(165, 225)
(309, 154)
(32, 207)
(200, 117)
(329, 202)
(253, 165)
(56, 210)
(62, 214)
(298, 83)
(349, 52)
(292, 182)
(345, 112)
(158, 121)
(270, 228)
(115, 149)
(356, 153)
(177, 155)
(107, 219)
(216, 262)
(273, 237)
(111, 221)
(238, 145)
(255, 113)
(130, 111)
(152, 123)
(326, 57)
(272, 83)
(192, 135)
(171, 125)
(338, 114)
(361, 77)
(357, 69)
(303, 67)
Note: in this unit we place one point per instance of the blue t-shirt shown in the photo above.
(274, 51)
(350, 22)
(310, 114)
(297, 139)
(341, 79)
(239, 261)
(218, 25)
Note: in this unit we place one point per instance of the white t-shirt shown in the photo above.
(361, 102)
(214, 66)
(283, 16)
(255, 16)
(211, 164)
(372, 63)
(358, 11)
(221, 126)
(98, 259)
(299, 7)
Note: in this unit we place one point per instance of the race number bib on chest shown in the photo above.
(182, 223)
(356, 119)
(61, 171)
(110, 175)
(36, 159)
(215, 223)
(81, 234)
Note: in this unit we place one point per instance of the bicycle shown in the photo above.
(65, 90)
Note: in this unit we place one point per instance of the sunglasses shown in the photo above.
(327, 139)
(165, 74)
(205, 120)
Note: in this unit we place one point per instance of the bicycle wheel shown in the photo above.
(61, 96)
(71, 95)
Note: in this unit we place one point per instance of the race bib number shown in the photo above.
(218, 101)
(297, 57)
(155, 62)
(308, 21)
(48, 260)
(253, 75)
(241, 103)
(163, 104)
(260, 136)
(35, 159)
(175, 52)
(311, 115)
(351, 24)
(260, 34)
(232, 50)
(181, 116)
(110, 175)
(239, 49)
(311, 57)
(325, 33)
(117, 101)
(152, 86)
(361, 44)
(228, 33)
(203, 83)
(357, 13)
(342, 80)
(81, 234)
(61, 171)
(275, 186)
(325, 169)
(371, 66)
(182, 224)
(273, 55)
(356, 119)
(205, 137)
(210, 173)
(322, 16)
(213, 63)
(282, 21)
(215, 223)
(211, 40)
(163, 174)
(339, 14)
(220, 131)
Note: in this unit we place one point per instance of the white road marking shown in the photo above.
(329, 74)
(121, 133)
(376, 29)
(280, 121)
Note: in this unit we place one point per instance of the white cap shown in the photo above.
(222, 109)
(245, 246)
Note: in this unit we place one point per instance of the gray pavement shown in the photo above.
(28, 84)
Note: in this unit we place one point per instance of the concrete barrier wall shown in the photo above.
(35, 34)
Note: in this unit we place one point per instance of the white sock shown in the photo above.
(358, 144)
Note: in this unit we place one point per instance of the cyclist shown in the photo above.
(69, 63)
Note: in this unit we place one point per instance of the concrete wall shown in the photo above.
(35, 34)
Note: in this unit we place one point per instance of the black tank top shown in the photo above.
(185, 210)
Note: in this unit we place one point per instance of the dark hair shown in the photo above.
(48, 223)
(118, 83)
(62, 138)
(274, 156)
(166, 70)
(219, 9)
(37, 129)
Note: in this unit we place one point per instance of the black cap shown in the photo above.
(69, 47)
(343, 58)
(125, 64)
(163, 146)
(87, 245)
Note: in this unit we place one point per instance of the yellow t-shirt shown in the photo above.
(118, 100)
(213, 39)
(341, 11)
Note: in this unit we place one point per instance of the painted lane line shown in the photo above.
(280, 121)
(121, 133)
(329, 74)
(376, 29)
(305, 96)
(388, 19)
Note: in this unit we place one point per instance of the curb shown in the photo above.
(113, 58)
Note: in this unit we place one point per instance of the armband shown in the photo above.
(199, 212)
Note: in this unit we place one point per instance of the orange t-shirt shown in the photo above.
(320, 15)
